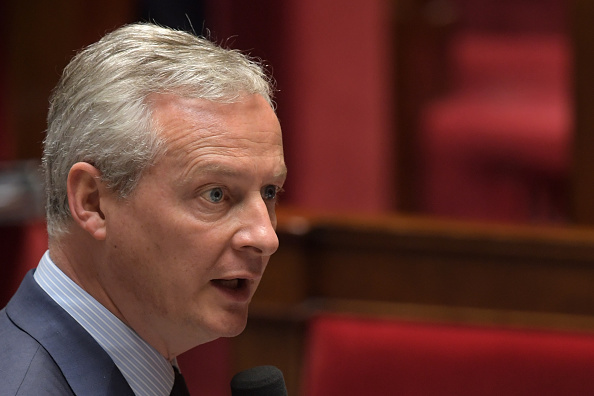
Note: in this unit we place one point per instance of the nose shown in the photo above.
(256, 234)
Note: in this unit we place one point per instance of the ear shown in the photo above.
(84, 191)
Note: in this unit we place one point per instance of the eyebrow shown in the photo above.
(220, 169)
(217, 169)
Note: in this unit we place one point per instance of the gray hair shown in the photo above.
(99, 111)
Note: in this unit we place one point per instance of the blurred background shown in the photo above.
(451, 108)
(458, 129)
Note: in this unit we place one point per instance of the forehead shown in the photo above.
(199, 130)
(251, 115)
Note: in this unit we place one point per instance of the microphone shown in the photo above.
(259, 381)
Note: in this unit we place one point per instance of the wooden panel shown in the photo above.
(457, 269)
(420, 260)
(417, 269)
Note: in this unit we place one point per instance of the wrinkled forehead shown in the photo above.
(205, 128)
(251, 113)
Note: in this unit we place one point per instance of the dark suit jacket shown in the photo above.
(44, 351)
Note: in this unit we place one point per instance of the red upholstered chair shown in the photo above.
(354, 356)
(497, 147)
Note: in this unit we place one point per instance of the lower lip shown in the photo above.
(240, 294)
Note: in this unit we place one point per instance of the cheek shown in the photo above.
(136, 256)
(138, 234)
(166, 249)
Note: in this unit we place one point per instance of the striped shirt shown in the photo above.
(147, 372)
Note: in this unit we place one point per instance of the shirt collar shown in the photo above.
(147, 372)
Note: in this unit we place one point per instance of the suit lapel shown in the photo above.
(86, 366)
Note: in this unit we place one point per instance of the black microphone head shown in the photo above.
(259, 381)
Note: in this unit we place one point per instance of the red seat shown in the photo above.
(497, 146)
(355, 356)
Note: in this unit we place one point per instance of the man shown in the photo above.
(163, 161)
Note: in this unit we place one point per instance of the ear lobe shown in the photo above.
(84, 190)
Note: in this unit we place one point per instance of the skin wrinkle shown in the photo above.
(105, 90)
(234, 229)
(211, 131)
(164, 245)
(163, 159)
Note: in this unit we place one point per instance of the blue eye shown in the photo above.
(215, 195)
(269, 192)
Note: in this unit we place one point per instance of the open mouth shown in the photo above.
(237, 289)
(230, 284)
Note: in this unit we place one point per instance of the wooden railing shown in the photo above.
(417, 269)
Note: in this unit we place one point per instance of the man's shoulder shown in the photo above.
(26, 368)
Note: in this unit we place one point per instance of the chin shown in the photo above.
(235, 329)
(230, 325)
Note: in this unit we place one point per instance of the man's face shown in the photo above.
(186, 252)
